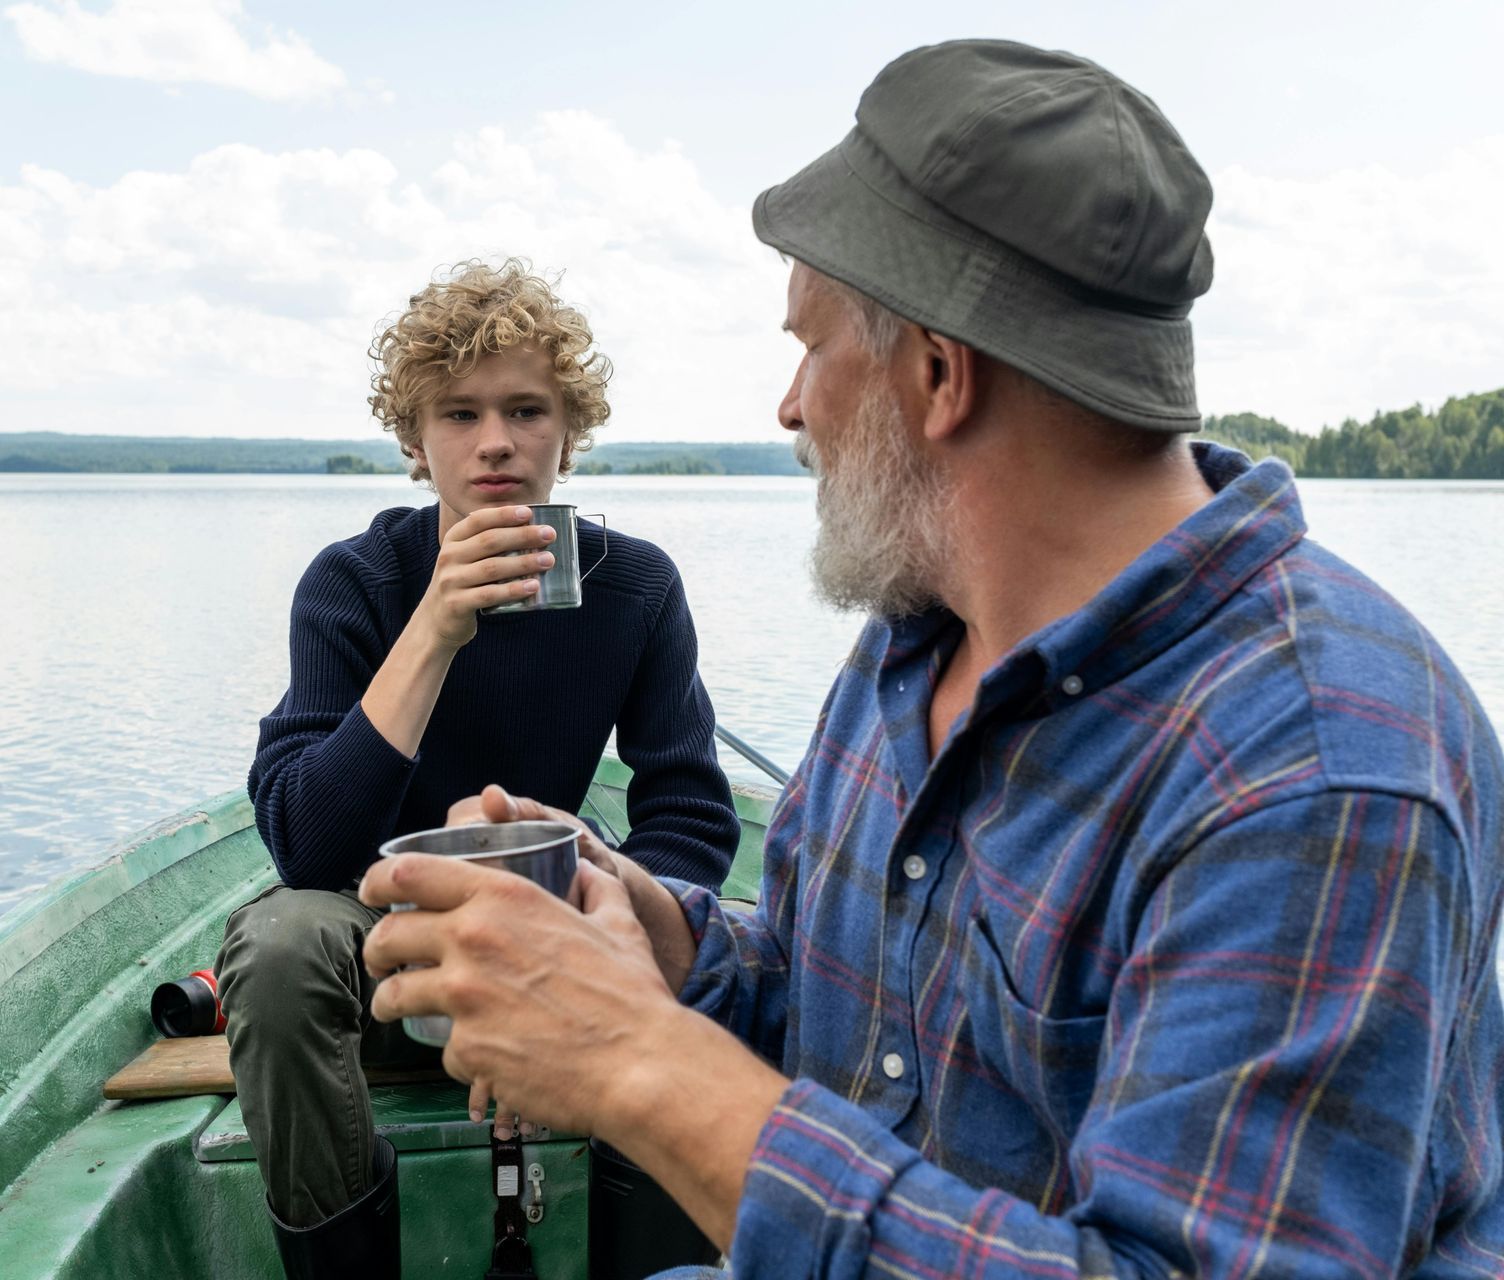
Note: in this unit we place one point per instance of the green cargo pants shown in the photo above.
(298, 1003)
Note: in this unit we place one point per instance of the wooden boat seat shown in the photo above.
(417, 1109)
(188, 1066)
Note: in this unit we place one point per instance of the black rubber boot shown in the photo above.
(363, 1239)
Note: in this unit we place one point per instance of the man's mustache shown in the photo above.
(805, 453)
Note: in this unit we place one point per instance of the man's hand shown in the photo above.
(492, 556)
(657, 909)
(554, 1009)
(564, 1017)
(495, 804)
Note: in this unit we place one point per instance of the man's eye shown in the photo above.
(462, 415)
(528, 412)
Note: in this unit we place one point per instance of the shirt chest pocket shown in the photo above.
(1051, 1063)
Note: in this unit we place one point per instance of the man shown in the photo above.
(403, 700)
(1134, 911)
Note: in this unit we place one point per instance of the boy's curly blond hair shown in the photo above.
(473, 310)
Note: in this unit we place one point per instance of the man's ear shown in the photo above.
(950, 374)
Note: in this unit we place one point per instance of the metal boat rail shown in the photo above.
(752, 755)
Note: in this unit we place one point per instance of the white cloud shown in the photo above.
(174, 42)
(238, 295)
(1358, 290)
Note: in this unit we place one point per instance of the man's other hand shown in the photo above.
(657, 909)
(495, 804)
(555, 1010)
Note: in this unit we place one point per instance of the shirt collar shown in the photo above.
(1166, 593)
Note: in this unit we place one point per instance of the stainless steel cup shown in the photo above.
(558, 587)
(544, 852)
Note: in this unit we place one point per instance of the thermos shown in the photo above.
(189, 1006)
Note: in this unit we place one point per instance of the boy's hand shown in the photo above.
(492, 556)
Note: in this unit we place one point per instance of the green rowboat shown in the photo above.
(168, 1187)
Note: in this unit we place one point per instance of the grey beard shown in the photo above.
(867, 556)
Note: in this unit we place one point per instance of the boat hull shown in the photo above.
(167, 1187)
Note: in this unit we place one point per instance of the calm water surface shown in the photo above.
(143, 620)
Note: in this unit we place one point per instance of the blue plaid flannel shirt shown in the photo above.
(1177, 959)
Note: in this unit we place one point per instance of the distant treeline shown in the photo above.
(775, 458)
(352, 464)
(55, 451)
(1463, 440)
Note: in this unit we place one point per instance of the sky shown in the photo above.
(207, 207)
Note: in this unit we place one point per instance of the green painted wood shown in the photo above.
(97, 1199)
(606, 802)
(120, 1195)
(77, 1008)
(754, 806)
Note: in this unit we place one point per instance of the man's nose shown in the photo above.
(790, 413)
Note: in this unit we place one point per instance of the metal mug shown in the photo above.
(558, 587)
(545, 852)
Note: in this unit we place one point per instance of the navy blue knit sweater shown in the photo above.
(528, 703)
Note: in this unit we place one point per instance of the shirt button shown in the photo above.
(914, 867)
(892, 1066)
(1072, 685)
(900, 686)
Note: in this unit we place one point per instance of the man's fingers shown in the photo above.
(498, 805)
(402, 938)
(462, 813)
(410, 994)
(425, 879)
(596, 853)
(603, 896)
(480, 1099)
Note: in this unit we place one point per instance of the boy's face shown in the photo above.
(495, 436)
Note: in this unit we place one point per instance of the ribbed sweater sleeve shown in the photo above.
(683, 822)
(327, 787)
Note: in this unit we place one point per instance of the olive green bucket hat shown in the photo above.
(1026, 203)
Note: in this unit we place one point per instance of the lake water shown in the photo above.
(143, 620)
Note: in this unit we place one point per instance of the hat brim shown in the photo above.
(852, 216)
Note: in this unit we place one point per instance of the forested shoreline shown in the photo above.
(1462, 440)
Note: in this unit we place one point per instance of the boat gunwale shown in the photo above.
(43, 1109)
(39, 921)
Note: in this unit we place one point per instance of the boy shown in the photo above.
(403, 700)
